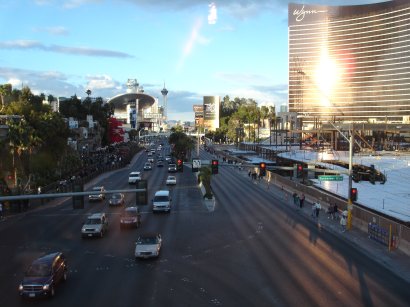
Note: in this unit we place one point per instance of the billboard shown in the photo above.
(211, 107)
(198, 110)
(211, 112)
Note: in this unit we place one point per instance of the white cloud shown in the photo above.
(58, 30)
(212, 14)
(101, 82)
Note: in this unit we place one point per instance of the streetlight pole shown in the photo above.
(349, 198)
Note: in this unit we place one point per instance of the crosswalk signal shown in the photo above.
(214, 166)
(262, 169)
(180, 165)
(353, 194)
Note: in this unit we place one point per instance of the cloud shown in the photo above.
(101, 82)
(71, 4)
(85, 51)
(212, 14)
(194, 38)
(53, 30)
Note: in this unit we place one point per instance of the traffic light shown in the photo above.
(353, 194)
(262, 169)
(214, 166)
(300, 170)
(180, 165)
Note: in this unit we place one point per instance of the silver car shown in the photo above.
(117, 199)
(148, 245)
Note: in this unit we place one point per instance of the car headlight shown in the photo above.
(46, 287)
(20, 287)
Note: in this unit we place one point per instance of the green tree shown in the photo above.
(205, 176)
(181, 144)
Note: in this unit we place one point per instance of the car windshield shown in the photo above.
(171, 178)
(147, 240)
(39, 270)
(160, 198)
(116, 196)
(93, 221)
(130, 213)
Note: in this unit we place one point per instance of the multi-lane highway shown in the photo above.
(250, 250)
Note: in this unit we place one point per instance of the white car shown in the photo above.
(134, 177)
(96, 225)
(148, 245)
(171, 180)
(97, 197)
(147, 166)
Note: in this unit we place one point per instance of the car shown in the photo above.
(148, 245)
(43, 275)
(97, 197)
(117, 199)
(172, 168)
(160, 164)
(171, 180)
(134, 177)
(168, 158)
(149, 154)
(147, 166)
(161, 201)
(150, 160)
(130, 217)
(95, 225)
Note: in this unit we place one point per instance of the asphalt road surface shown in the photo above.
(251, 249)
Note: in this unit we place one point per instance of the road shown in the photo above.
(250, 250)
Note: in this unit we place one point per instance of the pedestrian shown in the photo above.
(250, 173)
(330, 211)
(1, 210)
(313, 210)
(302, 201)
(335, 211)
(294, 195)
(297, 202)
(317, 209)
(343, 222)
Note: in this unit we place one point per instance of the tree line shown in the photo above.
(35, 147)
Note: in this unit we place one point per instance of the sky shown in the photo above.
(195, 48)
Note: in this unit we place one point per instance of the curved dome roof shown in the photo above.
(122, 100)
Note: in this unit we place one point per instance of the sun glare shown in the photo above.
(327, 75)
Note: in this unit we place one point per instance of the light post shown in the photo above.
(350, 184)
(349, 199)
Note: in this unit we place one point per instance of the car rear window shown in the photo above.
(161, 198)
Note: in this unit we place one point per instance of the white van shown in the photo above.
(162, 201)
(134, 177)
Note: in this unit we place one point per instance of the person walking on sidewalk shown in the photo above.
(343, 222)
(1, 211)
(313, 210)
(317, 209)
(302, 201)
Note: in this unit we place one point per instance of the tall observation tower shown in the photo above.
(164, 93)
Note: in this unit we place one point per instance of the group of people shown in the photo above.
(332, 212)
(298, 201)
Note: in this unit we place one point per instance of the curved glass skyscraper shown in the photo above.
(350, 63)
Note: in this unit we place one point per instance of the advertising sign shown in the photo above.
(211, 107)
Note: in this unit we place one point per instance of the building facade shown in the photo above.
(350, 63)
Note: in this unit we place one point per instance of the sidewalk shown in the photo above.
(396, 261)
